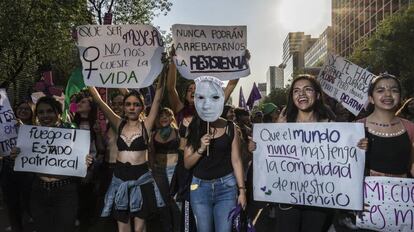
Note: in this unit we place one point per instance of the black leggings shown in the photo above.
(55, 208)
(302, 218)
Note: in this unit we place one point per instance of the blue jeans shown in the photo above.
(212, 201)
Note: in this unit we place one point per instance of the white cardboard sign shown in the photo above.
(346, 82)
(315, 164)
(52, 150)
(391, 204)
(217, 51)
(8, 127)
(120, 56)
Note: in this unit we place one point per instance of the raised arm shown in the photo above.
(229, 89)
(113, 118)
(149, 121)
(173, 97)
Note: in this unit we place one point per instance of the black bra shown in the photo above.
(137, 143)
(168, 147)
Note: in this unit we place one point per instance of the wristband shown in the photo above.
(200, 153)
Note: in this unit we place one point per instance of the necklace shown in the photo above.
(385, 134)
(384, 124)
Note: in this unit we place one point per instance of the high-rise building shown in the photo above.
(294, 47)
(274, 78)
(355, 20)
(317, 53)
(262, 89)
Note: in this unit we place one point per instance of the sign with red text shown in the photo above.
(120, 56)
(391, 204)
(315, 164)
(217, 51)
(8, 125)
(346, 82)
(52, 150)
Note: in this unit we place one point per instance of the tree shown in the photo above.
(129, 11)
(391, 49)
(277, 96)
(37, 32)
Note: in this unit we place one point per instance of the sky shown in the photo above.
(268, 23)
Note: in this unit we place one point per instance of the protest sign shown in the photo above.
(52, 150)
(120, 56)
(315, 164)
(391, 204)
(346, 82)
(217, 51)
(8, 125)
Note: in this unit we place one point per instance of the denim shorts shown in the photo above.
(212, 201)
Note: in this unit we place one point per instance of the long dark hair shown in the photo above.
(196, 130)
(92, 115)
(320, 109)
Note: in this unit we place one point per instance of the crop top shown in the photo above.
(169, 147)
(391, 155)
(218, 163)
(137, 143)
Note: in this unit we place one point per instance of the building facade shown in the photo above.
(317, 53)
(262, 89)
(274, 78)
(293, 59)
(355, 20)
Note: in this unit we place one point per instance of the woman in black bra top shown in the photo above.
(390, 151)
(133, 193)
(164, 158)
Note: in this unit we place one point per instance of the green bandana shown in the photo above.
(165, 132)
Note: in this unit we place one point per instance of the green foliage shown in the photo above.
(37, 32)
(277, 96)
(391, 49)
(129, 11)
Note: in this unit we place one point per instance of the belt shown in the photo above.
(55, 184)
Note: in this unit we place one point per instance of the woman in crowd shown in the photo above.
(165, 144)
(133, 194)
(407, 110)
(228, 113)
(54, 199)
(270, 112)
(85, 118)
(217, 174)
(305, 104)
(16, 186)
(390, 137)
(184, 111)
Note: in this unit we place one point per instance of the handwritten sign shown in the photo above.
(316, 164)
(391, 204)
(346, 82)
(52, 150)
(8, 125)
(120, 56)
(211, 51)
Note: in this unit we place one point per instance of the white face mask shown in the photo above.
(209, 100)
